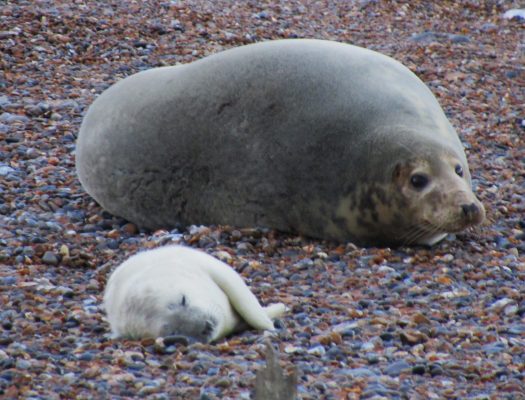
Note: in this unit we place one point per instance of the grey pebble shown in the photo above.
(517, 329)
(34, 110)
(458, 38)
(70, 377)
(494, 348)
(502, 242)
(512, 74)
(372, 358)
(335, 353)
(23, 364)
(304, 264)
(50, 258)
(10, 118)
(6, 170)
(424, 37)
(515, 13)
(7, 363)
(436, 369)
(87, 356)
(44, 105)
(32, 153)
(360, 372)
(147, 390)
(375, 390)
(262, 15)
(346, 328)
(7, 280)
(317, 350)
(61, 104)
(243, 248)
(4, 101)
(397, 368)
(430, 36)
(387, 336)
(488, 27)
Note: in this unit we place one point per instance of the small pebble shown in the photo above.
(317, 350)
(50, 258)
(23, 364)
(360, 373)
(398, 368)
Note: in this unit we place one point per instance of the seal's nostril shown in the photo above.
(469, 210)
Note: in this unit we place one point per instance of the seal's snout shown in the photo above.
(470, 210)
(473, 213)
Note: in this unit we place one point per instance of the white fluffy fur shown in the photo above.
(180, 288)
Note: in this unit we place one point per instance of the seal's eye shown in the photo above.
(418, 181)
(459, 170)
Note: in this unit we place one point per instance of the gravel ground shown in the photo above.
(364, 323)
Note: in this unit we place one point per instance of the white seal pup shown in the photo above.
(181, 291)
(320, 138)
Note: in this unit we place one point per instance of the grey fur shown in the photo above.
(272, 134)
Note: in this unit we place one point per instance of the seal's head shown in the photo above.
(434, 193)
(413, 191)
(190, 320)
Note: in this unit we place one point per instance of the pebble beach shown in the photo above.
(446, 322)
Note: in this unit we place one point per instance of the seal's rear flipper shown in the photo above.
(275, 310)
(240, 295)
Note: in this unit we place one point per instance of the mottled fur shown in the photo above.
(298, 135)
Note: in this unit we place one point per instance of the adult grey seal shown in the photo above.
(314, 137)
(177, 290)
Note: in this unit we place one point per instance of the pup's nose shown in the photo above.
(471, 211)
